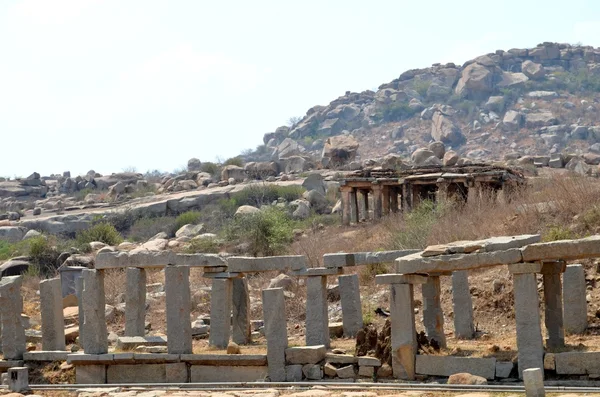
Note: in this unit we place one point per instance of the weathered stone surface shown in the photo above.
(224, 360)
(305, 354)
(577, 363)
(400, 279)
(18, 379)
(403, 331)
(220, 312)
(575, 304)
(415, 263)
(588, 247)
(135, 302)
(317, 320)
(449, 365)
(241, 333)
(293, 373)
(346, 372)
(533, 378)
(369, 362)
(132, 342)
(46, 356)
(209, 373)
(137, 373)
(94, 327)
(352, 317)
(444, 129)
(366, 372)
(155, 259)
(553, 317)
(11, 307)
(90, 374)
(312, 371)
(462, 305)
(466, 379)
(241, 264)
(275, 332)
(363, 258)
(341, 358)
(529, 333)
(178, 304)
(53, 322)
(503, 369)
(433, 316)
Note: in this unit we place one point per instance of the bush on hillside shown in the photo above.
(263, 194)
(145, 228)
(43, 254)
(187, 218)
(203, 246)
(103, 232)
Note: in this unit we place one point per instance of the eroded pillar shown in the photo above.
(364, 204)
(406, 197)
(51, 308)
(553, 318)
(377, 201)
(178, 305)
(433, 316)
(394, 200)
(317, 321)
(220, 312)
(135, 302)
(529, 332)
(11, 307)
(80, 312)
(94, 303)
(345, 191)
(241, 312)
(354, 206)
(575, 303)
(385, 205)
(462, 304)
(404, 334)
(275, 332)
(351, 306)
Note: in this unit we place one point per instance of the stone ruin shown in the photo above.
(525, 256)
(392, 191)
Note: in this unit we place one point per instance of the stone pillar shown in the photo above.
(553, 318)
(533, 378)
(178, 305)
(365, 204)
(385, 200)
(404, 333)
(406, 197)
(377, 201)
(351, 305)
(575, 303)
(11, 307)
(18, 378)
(220, 312)
(354, 206)
(241, 312)
(433, 316)
(94, 302)
(442, 191)
(462, 305)
(394, 199)
(53, 321)
(415, 195)
(529, 332)
(275, 332)
(345, 191)
(135, 302)
(317, 321)
(80, 312)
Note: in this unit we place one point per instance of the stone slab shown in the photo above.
(5, 364)
(45, 356)
(363, 258)
(177, 373)
(131, 342)
(212, 373)
(156, 259)
(318, 271)
(222, 275)
(90, 374)
(503, 369)
(305, 354)
(448, 365)
(366, 372)
(136, 373)
(250, 264)
(90, 359)
(293, 373)
(400, 279)
(588, 247)
(369, 362)
(155, 358)
(577, 363)
(533, 379)
(226, 360)
(526, 267)
(340, 358)
(444, 263)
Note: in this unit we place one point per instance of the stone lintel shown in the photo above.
(229, 360)
(363, 258)
(155, 358)
(400, 279)
(415, 263)
(554, 267)
(341, 358)
(242, 264)
(4, 364)
(526, 267)
(588, 247)
(156, 259)
(319, 271)
(222, 275)
(45, 356)
(90, 359)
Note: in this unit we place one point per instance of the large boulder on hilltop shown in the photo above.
(344, 112)
(545, 51)
(296, 164)
(476, 81)
(393, 161)
(262, 169)
(495, 104)
(233, 171)
(339, 150)
(287, 148)
(512, 80)
(540, 119)
(445, 130)
(438, 148)
(128, 178)
(419, 156)
(316, 182)
(533, 70)
(450, 158)
(194, 164)
(512, 120)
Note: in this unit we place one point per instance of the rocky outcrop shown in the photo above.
(338, 151)
(444, 129)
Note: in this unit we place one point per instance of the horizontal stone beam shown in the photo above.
(230, 360)
(242, 264)
(156, 259)
(444, 263)
(588, 247)
(318, 271)
(363, 258)
(400, 279)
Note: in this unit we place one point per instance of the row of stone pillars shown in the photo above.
(355, 202)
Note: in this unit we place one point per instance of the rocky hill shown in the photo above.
(504, 105)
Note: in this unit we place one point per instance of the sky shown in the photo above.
(124, 84)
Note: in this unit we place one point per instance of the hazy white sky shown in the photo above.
(108, 85)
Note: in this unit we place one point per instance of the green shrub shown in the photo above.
(43, 254)
(103, 232)
(212, 168)
(187, 218)
(237, 160)
(367, 273)
(418, 225)
(261, 194)
(267, 232)
(203, 245)
(421, 87)
(10, 250)
(145, 228)
(558, 233)
(80, 195)
(395, 112)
